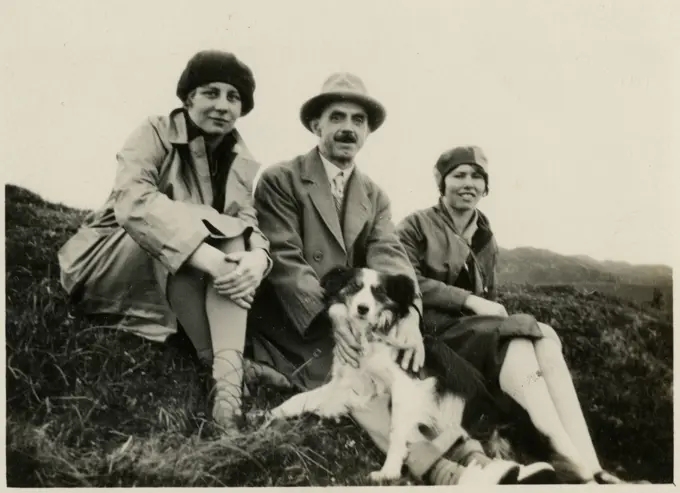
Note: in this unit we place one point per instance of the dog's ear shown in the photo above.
(336, 279)
(401, 289)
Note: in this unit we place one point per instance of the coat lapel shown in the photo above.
(200, 160)
(458, 264)
(478, 275)
(356, 208)
(178, 134)
(320, 192)
(241, 173)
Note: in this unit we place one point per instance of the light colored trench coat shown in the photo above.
(154, 219)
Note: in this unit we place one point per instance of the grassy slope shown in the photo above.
(642, 294)
(92, 406)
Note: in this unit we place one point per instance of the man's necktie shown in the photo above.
(339, 191)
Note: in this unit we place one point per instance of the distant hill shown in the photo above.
(539, 266)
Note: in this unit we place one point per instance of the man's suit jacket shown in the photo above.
(297, 213)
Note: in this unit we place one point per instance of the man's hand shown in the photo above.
(408, 335)
(481, 306)
(347, 344)
(240, 283)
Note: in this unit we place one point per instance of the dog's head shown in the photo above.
(372, 300)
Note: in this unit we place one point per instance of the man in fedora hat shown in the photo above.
(318, 211)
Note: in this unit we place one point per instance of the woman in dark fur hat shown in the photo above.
(453, 250)
(177, 242)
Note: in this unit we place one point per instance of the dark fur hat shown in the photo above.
(218, 66)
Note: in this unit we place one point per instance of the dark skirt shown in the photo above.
(482, 341)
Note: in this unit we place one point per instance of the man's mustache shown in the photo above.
(346, 137)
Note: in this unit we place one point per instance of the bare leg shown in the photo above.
(561, 387)
(521, 379)
(186, 294)
(216, 327)
(227, 323)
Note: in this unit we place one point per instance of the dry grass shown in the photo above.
(91, 406)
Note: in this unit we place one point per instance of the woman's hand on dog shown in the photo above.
(408, 336)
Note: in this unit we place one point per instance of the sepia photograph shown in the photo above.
(363, 243)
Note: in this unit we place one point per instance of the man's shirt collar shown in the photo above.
(332, 170)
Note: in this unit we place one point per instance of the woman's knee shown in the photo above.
(230, 245)
(550, 334)
(186, 285)
(227, 246)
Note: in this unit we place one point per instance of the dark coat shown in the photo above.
(443, 262)
(439, 256)
(297, 213)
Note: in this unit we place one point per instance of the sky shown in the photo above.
(571, 101)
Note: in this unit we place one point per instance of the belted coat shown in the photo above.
(157, 214)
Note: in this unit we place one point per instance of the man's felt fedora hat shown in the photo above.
(343, 86)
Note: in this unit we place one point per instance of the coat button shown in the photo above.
(318, 256)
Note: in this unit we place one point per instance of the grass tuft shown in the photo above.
(91, 406)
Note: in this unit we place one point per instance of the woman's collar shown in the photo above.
(237, 145)
(470, 229)
(181, 132)
(449, 212)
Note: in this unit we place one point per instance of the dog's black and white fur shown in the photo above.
(371, 304)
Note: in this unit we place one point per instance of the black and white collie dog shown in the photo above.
(370, 304)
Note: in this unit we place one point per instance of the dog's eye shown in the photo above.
(379, 292)
(355, 286)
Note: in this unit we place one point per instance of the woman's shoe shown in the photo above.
(227, 405)
(227, 416)
(568, 472)
(604, 477)
(219, 400)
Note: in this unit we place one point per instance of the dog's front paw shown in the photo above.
(384, 475)
(265, 418)
(331, 415)
(276, 424)
(259, 417)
